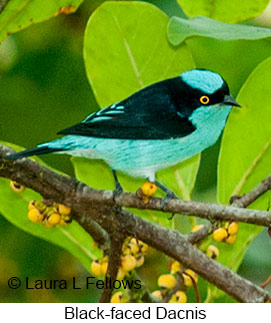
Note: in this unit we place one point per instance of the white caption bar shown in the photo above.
(211, 313)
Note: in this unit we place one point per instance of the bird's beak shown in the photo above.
(229, 100)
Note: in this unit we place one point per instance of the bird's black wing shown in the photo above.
(148, 114)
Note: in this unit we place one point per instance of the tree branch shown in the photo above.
(250, 197)
(175, 245)
(99, 235)
(196, 237)
(36, 174)
(116, 240)
(98, 205)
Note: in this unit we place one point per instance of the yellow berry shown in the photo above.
(96, 268)
(166, 281)
(133, 248)
(63, 223)
(178, 297)
(46, 224)
(212, 252)
(157, 294)
(197, 227)
(220, 234)
(128, 263)
(233, 228)
(35, 215)
(175, 267)
(121, 274)
(133, 241)
(149, 188)
(181, 297)
(118, 297)
(63, 209)
(54, 219)
(142, 246)
(140, 260)
(187, 274)
(39, 205)
(65, 220)
(231, 239)
(31, 205)
(18, 188)
(104, 266)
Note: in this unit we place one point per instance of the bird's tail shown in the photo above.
(33, 152)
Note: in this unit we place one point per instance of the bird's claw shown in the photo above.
(117, 191)
(171, 217)
(170, 196)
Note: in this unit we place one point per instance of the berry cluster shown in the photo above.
(133, 252)
(174, 285)
(49, 216)
(168, 283)
(133, 256)
(226, 233)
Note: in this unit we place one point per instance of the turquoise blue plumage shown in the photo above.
(155, 128)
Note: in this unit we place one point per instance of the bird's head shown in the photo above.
(203, 88)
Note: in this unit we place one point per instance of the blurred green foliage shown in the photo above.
(17, 15)
(228, 11)
(44, 88)
(180, 29)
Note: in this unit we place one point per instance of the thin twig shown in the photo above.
(246, 199)
(268, 280)
(99, 235)
(195, 287)
(198, 236)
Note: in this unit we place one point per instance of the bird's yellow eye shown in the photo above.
(204, 99)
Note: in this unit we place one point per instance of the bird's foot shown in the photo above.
(170, 196)
(117, 191)
(118, 188)
(171, 216)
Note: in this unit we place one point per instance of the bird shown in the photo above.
(157, 127)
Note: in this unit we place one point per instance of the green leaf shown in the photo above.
(245, 155)
(180, 29)
(73, 238)
(230, 11)
(126, 49)
(181, 178)
(19, 14)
